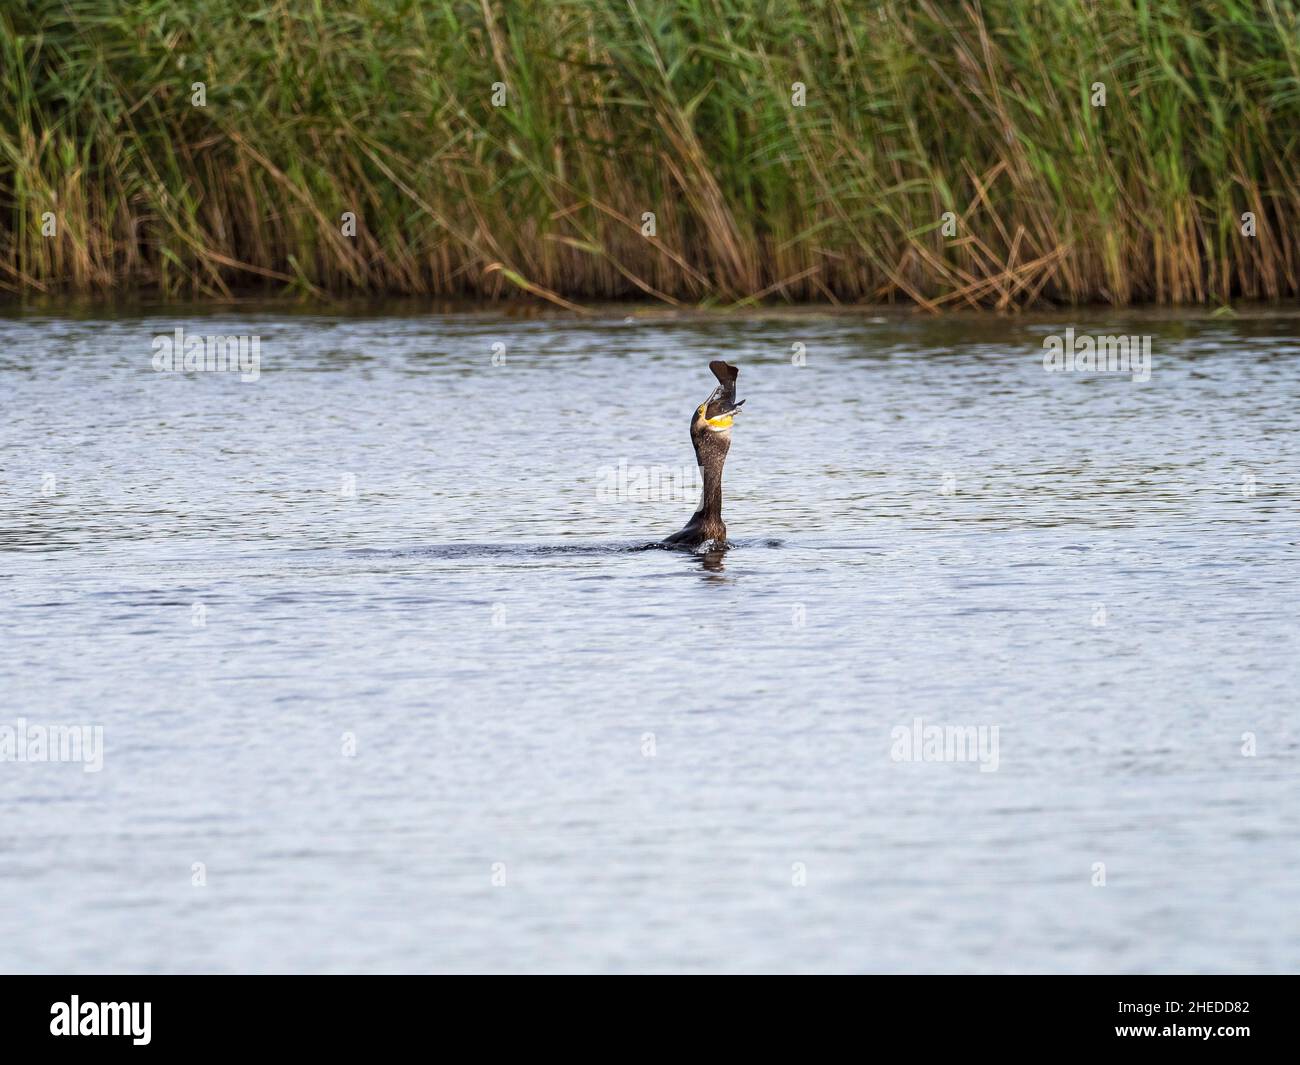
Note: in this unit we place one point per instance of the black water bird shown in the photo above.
(711, 438)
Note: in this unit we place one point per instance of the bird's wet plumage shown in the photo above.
(711, 437)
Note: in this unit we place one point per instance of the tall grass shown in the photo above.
(682, 108)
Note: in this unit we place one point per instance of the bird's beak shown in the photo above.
(723, 419)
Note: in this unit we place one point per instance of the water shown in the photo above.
(673, 762)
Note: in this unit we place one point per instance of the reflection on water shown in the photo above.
(378, 663)
(711, 560)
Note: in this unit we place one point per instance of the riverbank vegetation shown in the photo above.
(998, 153)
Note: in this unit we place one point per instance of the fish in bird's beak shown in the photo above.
(720, 408)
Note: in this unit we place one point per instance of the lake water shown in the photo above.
(383, 687)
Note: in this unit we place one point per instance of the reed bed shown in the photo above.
(618, 108)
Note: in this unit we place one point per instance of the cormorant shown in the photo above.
(711, 438)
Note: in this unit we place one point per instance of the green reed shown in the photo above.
(614, 108)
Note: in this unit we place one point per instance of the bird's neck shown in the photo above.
(711, 501)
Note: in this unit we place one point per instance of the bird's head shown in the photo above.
(714, 417)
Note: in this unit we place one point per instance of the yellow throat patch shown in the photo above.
(719, 423)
